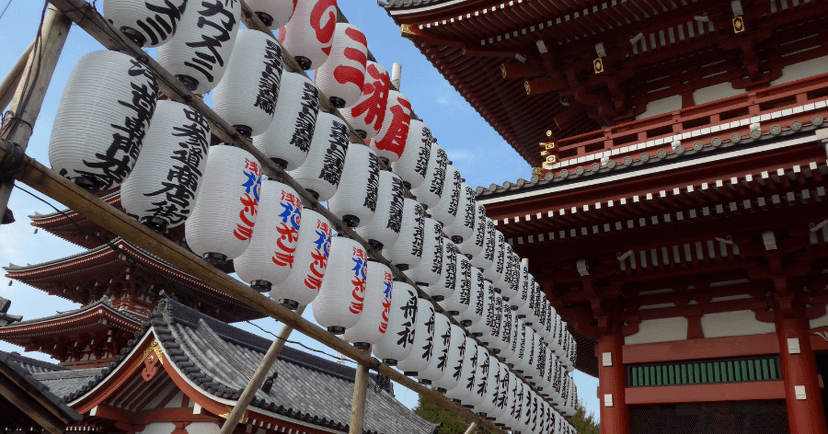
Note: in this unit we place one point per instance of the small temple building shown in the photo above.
(676, 213)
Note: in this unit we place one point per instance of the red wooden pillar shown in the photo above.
(805, 416)
(612, 382)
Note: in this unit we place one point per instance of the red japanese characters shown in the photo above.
(341, 77)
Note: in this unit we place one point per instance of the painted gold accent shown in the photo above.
(598, 65)
(551, 159)
(547, 145)
(154, 347)
(463, 51)
(405, 30)
(738, 24)
(549, 132)
(537, 171)
(527, 87)
(229, 410)
(503, 70)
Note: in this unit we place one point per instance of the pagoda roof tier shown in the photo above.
(132, 279)
(87, 337)
(77, 229)
(578, 67)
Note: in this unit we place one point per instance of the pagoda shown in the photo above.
(676, 213)
(117, 284)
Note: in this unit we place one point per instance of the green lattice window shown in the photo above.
(764, 368)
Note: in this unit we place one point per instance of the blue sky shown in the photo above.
(480, 154)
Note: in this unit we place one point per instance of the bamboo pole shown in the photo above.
(10, 82)
(472, 428)
(28, 96)
(258, 377)
(360, 392)
(49, 183)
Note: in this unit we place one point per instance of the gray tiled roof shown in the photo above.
(63, 383)
(20, 374)
(34, 366)
(409, 4)
(219, 358)
(579, 173)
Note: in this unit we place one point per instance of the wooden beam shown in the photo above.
(258, 377)
(9, 84)
(28, 98)
(360, 392)
(30, 401)
(472, 428)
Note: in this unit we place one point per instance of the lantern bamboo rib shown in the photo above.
(86, 17)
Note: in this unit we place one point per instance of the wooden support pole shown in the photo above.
(28, 97)
(10, 82)
(258, 377)
(472, 428)
(48, 182)
(360, 392)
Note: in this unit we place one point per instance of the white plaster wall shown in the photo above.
(159, 428)
(739, 323)
(661, 106)
(203, 428)
(819, 322)
(715, 93)
(659, 330)
(798, 71)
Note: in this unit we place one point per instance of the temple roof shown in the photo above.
(218, 359)
(576, 68)
(125, 270)
(34, 405)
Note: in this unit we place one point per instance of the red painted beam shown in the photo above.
(753, 391)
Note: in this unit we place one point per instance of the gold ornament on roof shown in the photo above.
(550, 150)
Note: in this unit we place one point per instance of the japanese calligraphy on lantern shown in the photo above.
(288, 229)
(249, 200)
(358, 281)
(319, 255)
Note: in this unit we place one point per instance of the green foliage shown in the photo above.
(452, 423)
(585, 423)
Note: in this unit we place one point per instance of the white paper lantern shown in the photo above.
(367, 115)
(148, 23)
(459, 301)
(546, 364)
(356, 198)
(398, 341)
(454, 363)
(549, 326)
(517, 409)
(512, 403)
(342, 294)
(489, 385)
(465, 386)
(309, 33)
(517, 359)
(559, 385)
(427, 272)
(473, 246)
(541, 311)
(246, 96)
(495, 271)
(503, 345)
(321, 172)
(447, 208)
(288, 139)
(517, 338)
(430, 190)
(269, 258)
(477, 300)
(199, 52)
(534, 355)
(163, 185)
(462, 227)
(528, 409)
(408, 250)
(487, 328)
(502, 397)
(485, 258)
(535, 414)
(343, 74)
(273, 13)
(520, 302)
(422, 353)
(101, 120)
(556, 340)
(373, 323)
(310, 261)
(384, 229)
(413, 163)
(222, 221)
(440, 354)
(509, 282)
(390, 142)
(448, 276)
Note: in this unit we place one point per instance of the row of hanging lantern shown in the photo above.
(454, 252)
